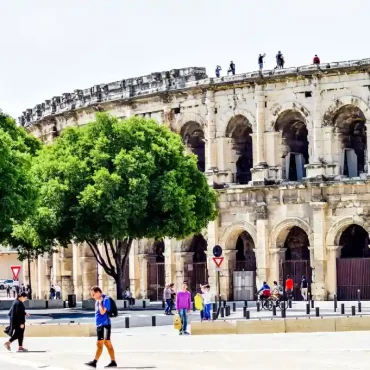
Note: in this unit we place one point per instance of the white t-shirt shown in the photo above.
(207, 297)
(57, 288)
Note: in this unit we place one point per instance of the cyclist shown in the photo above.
(277, 290)
(265, 291)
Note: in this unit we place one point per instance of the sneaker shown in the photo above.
(22, 350)
(186, 333)
(180, 333)
(112, 364)
(91, 363)
(7, 346)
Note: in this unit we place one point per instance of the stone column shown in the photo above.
(41, 278)
(261, 250)
(210, 133)
(77, 274)
(333, 252)
(56, 277)
(89, 271)
(227, 268)
(143, 263)
(367, 124)
(319, 262)
(134, 269)
(212, 240)
(66, 264)
(182, 259)
(317, 151)
(277, 257)
(169, 260)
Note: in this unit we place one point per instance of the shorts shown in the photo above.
(260, 65)
(103, 332)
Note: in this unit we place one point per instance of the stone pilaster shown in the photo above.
(319, 254)
(182, 259)
(212, 240)
(277, 258)
(169, 260)
(89, 271)
(143, 263)
(367, 124)
(226, 278)
(77, 273)
(261, 251)
(333, 252)
(134, 269)
(41, 278)
(210, 131)
(66, 265)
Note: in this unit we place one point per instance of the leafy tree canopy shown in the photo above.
(17, 189)
(113, 181)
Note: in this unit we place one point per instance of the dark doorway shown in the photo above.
(353, 266)
(193, 138)
(156, 272)
(297, 260)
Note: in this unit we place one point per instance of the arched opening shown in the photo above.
(196, 273)
(349, 122)
(239, 130)
(193, 138)
(156, 271)
(297, 258)
(244, 275)
(353, 264)
(292, 126)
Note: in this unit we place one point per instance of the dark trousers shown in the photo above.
(18, 334)
(168, 305)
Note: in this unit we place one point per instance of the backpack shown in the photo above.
(113, 312)
(177, 324)
(198, 301)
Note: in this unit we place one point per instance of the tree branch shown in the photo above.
(108, 256)
(128, 248)
(95, 249)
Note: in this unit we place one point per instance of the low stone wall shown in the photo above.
(5, 305)
(57, 330)
(34, 304)
(121, 304)
(291, 325)
(55, 303)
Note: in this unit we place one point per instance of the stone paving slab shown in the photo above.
(162, 348)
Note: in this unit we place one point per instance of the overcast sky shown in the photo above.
(51, 47)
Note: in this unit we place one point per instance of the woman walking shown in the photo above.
(17, 322)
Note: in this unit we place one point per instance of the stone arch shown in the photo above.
(232, 232)
(190, 117)
(340, 102)
(193, 136)
(226, 117)
(335, 231)
(281, 231)
(294, 106)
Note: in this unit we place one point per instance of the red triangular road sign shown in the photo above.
(15, 270)
(218, 261)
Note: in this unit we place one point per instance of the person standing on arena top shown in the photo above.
(103, 327)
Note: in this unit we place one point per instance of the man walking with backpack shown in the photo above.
(104, 309)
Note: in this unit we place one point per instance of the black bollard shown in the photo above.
(234, 307)
(214, 316)
(359, 307)
(144, 304)
(312, 304)
(222, 311)
(46, 304)
(258, 305)
(247, 315)
(219, 301)
(154, 320)
(244, 311)
(283, 313)
(353, 310)
(317, 311)
(290, 303)
(335, 303)
(342, 309)
(214, 306)
(274, 309)
(163, 304)
(359, 295)
(224, 302)
(245, 303)
(127, 322)
(227, 310)
(307, 308)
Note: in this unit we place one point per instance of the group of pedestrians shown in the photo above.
(15, 289)
(55, 292)
(277, 291)
(169, 295)
(280, 62)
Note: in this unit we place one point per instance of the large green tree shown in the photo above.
(113, 181)
(18, 192)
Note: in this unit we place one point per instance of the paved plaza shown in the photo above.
(161, 348)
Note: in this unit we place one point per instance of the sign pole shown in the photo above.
(218, 259)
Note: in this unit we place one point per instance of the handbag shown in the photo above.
(7, 331)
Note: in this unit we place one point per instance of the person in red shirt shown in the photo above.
(289, 285)
(316, 60)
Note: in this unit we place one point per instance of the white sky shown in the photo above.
(50, 47)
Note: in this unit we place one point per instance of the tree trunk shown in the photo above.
(29, 276)
(119, 285)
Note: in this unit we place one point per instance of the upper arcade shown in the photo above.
(172, 81)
